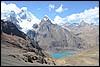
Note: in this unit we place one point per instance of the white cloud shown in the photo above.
(51, 6)
(59, 20)
(73, 17)
(89, 16)
(61, 9)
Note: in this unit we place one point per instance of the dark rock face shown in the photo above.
(9, 28)
(13, 17)
(35, 26)
(31, 34)
(22, 14)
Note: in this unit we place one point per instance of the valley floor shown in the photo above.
(88, 57)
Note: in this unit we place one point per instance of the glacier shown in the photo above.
(19, 16)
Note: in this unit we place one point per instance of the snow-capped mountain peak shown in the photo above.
(45, 18)
(19, 16)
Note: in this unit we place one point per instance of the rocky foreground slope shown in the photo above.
(16, 50)
(12, 55)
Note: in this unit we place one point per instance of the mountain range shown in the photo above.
(33, 40)
(52, 37)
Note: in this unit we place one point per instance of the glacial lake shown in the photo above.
(62, 55)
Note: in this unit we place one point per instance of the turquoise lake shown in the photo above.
(62, 55)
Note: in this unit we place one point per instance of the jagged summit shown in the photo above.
(46, 20)
(83, 23)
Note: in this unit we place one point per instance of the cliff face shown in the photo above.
(18, 46)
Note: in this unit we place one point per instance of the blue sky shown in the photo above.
(66, 8)
(73, 7)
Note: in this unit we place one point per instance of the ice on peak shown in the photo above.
(11, 11)
(46, 18)
(9, 7)
(24, 8)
